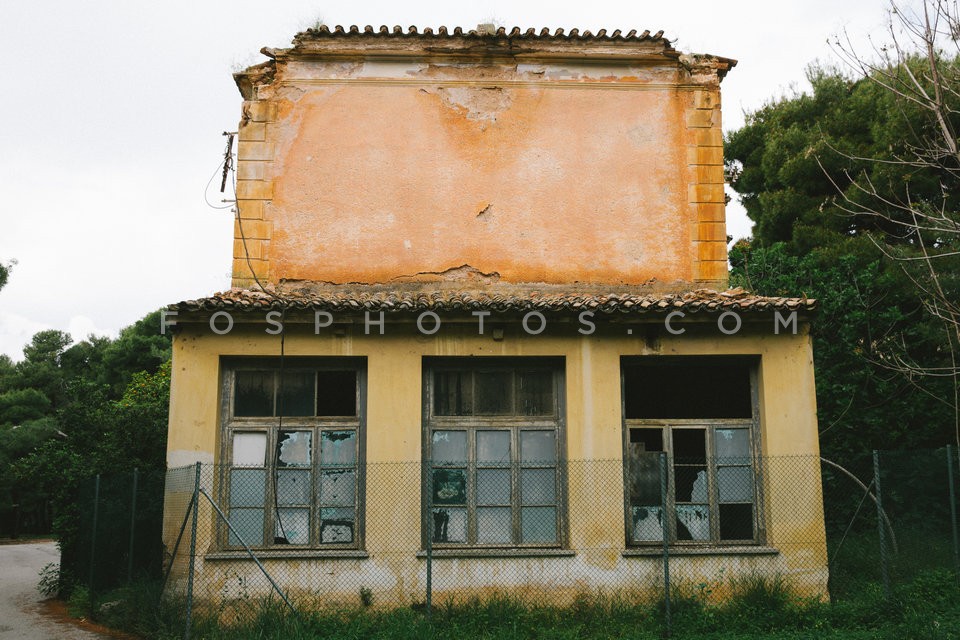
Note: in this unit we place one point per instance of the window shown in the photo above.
(701, 413)
(294, 449)
(493, 442)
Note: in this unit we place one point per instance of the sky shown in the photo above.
(114, 113)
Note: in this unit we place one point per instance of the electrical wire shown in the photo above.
(228, 167)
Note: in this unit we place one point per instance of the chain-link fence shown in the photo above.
(335, 534)
(116, 534)
(548, 532)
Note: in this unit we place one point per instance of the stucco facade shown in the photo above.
(395, 192)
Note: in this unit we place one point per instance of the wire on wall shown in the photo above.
(229, 170)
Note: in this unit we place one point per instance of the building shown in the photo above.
(499, 262)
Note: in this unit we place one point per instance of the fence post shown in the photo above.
(666, 542)
(885, 571)
(93, 534)
(953, 512)
(428, 523)
(133, 524)
(193, 552)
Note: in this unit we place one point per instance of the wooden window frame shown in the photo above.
(710, 426)
(316, 425)
(514, 424)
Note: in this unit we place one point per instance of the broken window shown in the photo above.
(695, 415)
(295, 481)
(492, 449)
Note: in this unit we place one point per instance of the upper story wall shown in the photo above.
(372, 157)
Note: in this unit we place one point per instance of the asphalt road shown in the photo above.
(21, 615)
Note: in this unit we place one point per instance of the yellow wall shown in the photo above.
(792, 494)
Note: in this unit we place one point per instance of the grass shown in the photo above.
(927, 608)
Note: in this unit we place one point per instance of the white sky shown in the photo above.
(114, 111)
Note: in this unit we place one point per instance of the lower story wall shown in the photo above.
(593, 555)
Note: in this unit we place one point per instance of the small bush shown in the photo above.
(366, 596)
(49, 584)
(80, 602)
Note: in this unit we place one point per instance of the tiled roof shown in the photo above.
(323, 31)
(499, 299)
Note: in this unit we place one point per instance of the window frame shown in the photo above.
(513, 424)
(231, 424)
(710, 425)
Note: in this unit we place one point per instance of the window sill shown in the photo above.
(499, 553)
(743, 550)
(291, 554)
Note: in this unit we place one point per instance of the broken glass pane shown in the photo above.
(538, 447)
(293, 486)
(735, 484)
(736, 521)
(253, 393)
(647, 438)
(493, 525)
(338, 448)
(338, 487)
(731, 445)
(644, 475)
(297, 395)
(336, 525)
(691, 483)
(689, 446)
(336, 393)
(494, 390)
(693, 522)
(293, 448)
(449, 486)
(449, 525)
(247, 526)
(538, 524)
(538, 486)
(449, 447)
(247, 487)
(249, 449)
(493, 486)
(453, 393)
(493, 448)
(293, 526)
(536, 393)
(647, 523)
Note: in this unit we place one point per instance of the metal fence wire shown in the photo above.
(119, 520)
(324, 534)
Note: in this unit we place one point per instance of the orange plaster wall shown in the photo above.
(369, 172)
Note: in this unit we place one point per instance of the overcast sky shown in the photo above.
(114, 111)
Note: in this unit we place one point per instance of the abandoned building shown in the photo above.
(479, 294)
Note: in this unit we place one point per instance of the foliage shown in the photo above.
(862, 404)
(797, 160)
(49, 584)
(927, 607)
(68, 412)
(835, 180)
(5, 272)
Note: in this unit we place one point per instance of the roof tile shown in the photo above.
(501, 298)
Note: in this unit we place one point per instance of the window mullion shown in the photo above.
(669, 520)
(712, 485)
(471, 486)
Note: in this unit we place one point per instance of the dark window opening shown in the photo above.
(336, 393)
(702, 388)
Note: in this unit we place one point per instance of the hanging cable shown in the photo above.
(229, 169)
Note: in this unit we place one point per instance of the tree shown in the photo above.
(867, 165)
(40, 367)
(5, 272)
(919, 70)
(861, 405)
